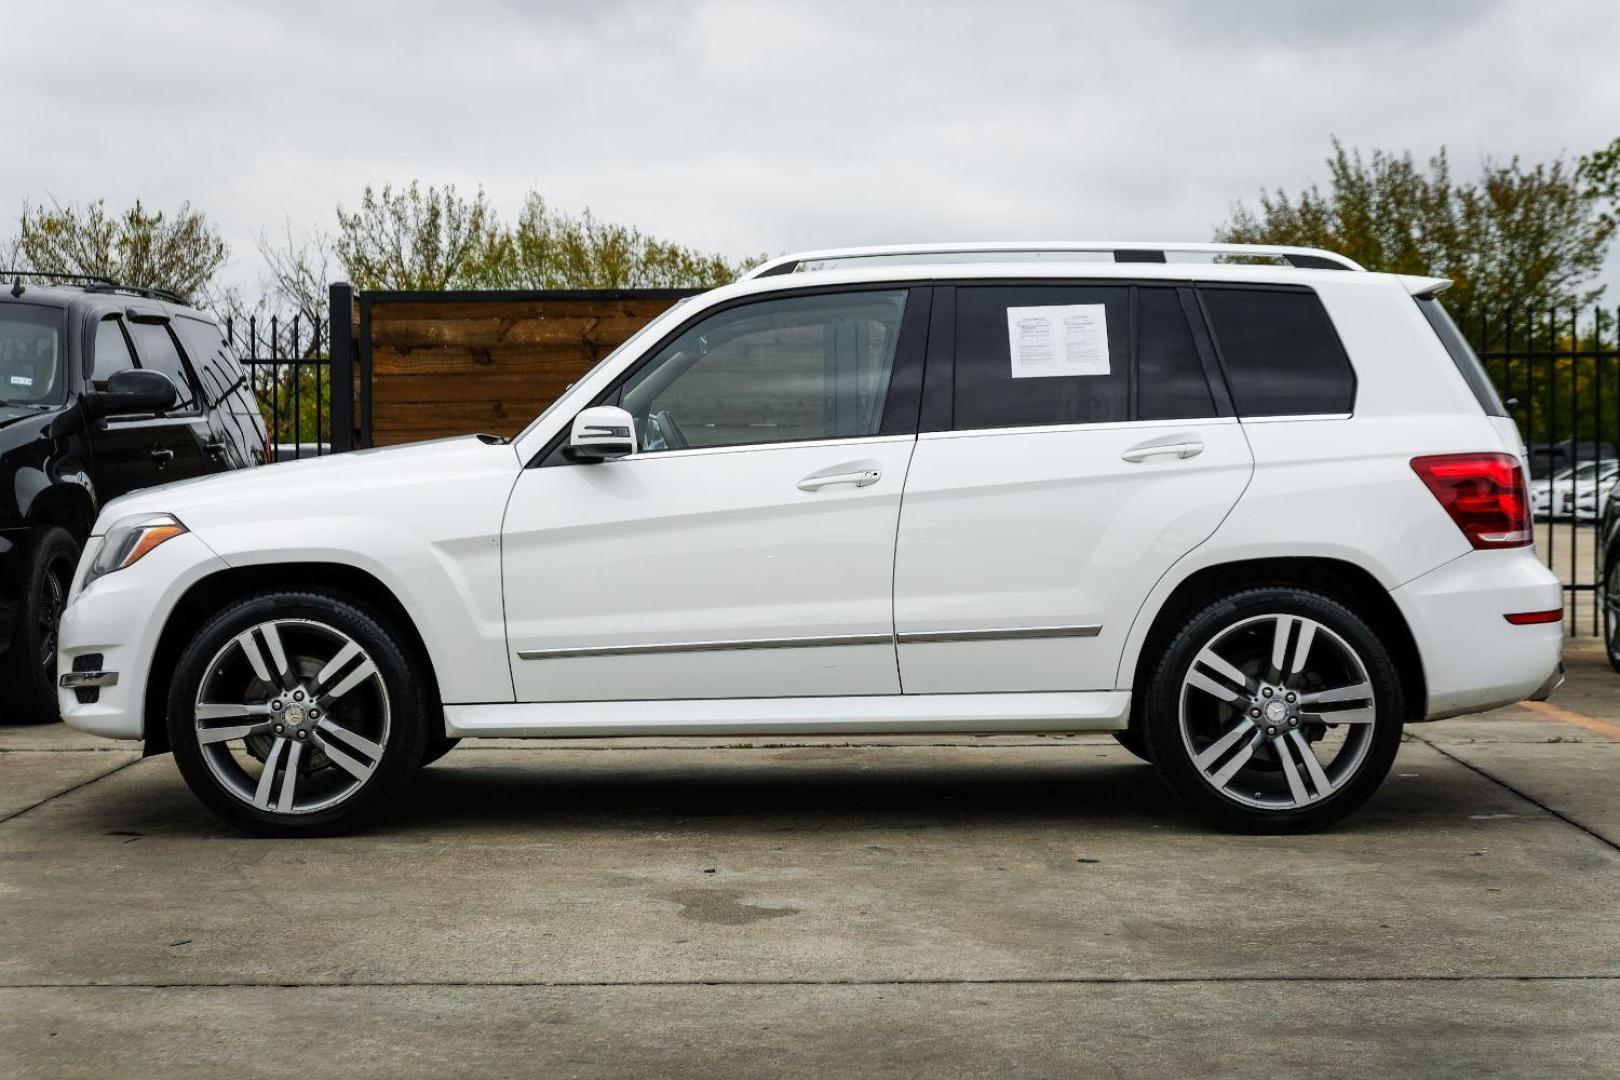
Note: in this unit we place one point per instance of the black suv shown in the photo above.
(103, 389)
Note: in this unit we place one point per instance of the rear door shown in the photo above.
(1077, 440)
(130, 452)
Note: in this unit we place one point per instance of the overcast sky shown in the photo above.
(754, 127)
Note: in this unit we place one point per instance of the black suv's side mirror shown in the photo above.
(134, 393)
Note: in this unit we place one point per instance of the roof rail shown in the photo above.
(1301, 257)
(72, 279)
(136, 290)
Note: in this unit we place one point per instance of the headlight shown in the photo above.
(130, 540)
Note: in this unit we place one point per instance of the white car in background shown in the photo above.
(1253, 519)
(1555, 497)
(1585, 502)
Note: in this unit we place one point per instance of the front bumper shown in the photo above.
(1473, 658)
(121, 617)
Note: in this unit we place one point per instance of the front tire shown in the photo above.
(296, 713)
(1275, 710)
(1611, 611)
(28, 668)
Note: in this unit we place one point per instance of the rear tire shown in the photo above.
(310, 688)
(1275, 710)
(1611, 611)
(28, 669)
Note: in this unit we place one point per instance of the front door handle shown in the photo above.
(860, 478)
(1181, 447)
(161, 454)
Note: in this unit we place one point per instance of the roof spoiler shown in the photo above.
(1424, 288)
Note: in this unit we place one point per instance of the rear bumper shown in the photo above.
(1473, 658)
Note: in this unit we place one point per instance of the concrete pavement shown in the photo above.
(875, 907)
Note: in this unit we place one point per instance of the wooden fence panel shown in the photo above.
(469, 362)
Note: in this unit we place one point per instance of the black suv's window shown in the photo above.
(157, 351)
(31, 370)
(111, 350)
(1029, 355)
(1462, 354)
(1280, 351)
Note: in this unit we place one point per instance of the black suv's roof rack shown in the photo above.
(97, 283)
(72, 279)
(136, 290)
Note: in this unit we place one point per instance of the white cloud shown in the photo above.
(751, 127)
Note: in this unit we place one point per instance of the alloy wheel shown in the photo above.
(1611, 614)
(292, 716)
(1277, 712)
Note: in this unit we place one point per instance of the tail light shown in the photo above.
(1483, 493)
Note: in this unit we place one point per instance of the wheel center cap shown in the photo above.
(294, 716)
(1276, 712)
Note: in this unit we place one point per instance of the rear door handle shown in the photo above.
(1181, 447)
(860, 478)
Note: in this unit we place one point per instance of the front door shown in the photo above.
(131, 452)
(747, 549)
(1080, 452)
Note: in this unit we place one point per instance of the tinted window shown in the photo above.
(1462, 354)
(112, 351)
(776, 371)
(1281, 354)
(1016, 346)
(31, 371)
(210, 358)
(1170, 382)
(158, 353)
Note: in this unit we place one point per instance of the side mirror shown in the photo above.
(134, 393)
(601, 433)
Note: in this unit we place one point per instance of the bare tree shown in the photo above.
(179, 251)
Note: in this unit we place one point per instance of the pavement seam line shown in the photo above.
(68, 791)
(1532, 800)
(1570, 716)
(586, 984)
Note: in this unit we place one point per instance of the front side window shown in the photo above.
(31, 370)
(158, 353)
(1281, 353)
(785, 370)
(111, 351)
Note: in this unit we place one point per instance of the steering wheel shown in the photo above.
(673, 437)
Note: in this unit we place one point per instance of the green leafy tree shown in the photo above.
(419, 237)
(552, 250)
(180, 251)
(1516, 236)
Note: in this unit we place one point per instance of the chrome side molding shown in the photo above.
(927, 637)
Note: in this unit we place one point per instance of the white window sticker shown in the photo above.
(1051, 342)
(21, 380)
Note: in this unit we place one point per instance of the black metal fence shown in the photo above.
(1559, 373)
(289, 364)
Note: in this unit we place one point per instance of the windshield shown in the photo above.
(31, 346)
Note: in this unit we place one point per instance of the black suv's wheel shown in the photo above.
(296, 713)
(28, 668)
(1611, 611)
(1275, 710)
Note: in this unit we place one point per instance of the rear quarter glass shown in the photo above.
(1462, 354)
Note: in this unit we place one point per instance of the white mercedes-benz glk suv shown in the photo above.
(1252, 514)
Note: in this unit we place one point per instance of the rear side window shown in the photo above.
(1462, 354)
(1033, 355)
(1170, 382)
(158, 353)
(1280, 351)
(1028, 355)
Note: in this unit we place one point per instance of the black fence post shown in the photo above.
(340, 325)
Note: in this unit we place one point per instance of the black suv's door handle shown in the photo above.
(215, 448)
(161, 454)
